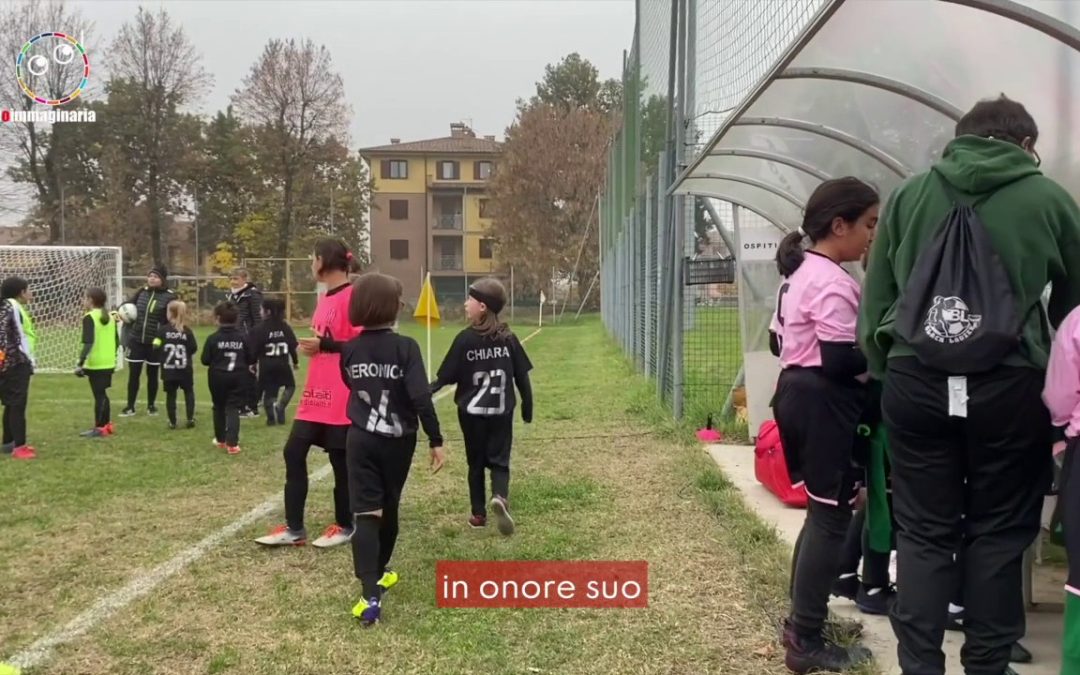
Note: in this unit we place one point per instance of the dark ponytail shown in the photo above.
(789, 255)
(335, 255)
(845, 198)
(97, 299)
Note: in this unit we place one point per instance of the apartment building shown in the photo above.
(430, 211)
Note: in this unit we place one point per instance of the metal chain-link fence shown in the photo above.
(670, 295)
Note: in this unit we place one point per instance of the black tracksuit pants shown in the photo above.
(973, 484)
(487, 448)
(100, 381)
(186, 385)
(14, 395)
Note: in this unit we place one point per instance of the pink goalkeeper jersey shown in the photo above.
(325, 397)
(818, 303)
(1062, 391)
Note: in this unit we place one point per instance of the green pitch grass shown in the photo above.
(600, 475)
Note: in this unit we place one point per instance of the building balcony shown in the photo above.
(448, 221)
(448, 263)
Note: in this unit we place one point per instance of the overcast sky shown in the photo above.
(410, 67)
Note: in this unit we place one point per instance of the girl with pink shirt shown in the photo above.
(1062, 397)
(820, 399)
(320, 416)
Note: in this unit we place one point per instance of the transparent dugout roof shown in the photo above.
(873, 88)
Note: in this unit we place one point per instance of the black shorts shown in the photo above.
(329, 437)
(15, 385)
(378, 469)
(138, 352)
(818, 420)
(272, 379)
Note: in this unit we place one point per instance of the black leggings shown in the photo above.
(100, 381)
(296, 483)
(271, 398)
(135, 372)
(816, 564)
(173, 386)
(875, 565)
(15, 424)
(15, 392)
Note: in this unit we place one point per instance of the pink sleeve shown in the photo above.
(1062, 391)
(834, 311)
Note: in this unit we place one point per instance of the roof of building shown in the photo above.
(462, 139)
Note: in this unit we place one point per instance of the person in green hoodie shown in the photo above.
(970, 469)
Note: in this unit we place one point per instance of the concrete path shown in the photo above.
(1044, 622)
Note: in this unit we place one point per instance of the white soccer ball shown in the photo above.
(128, 312)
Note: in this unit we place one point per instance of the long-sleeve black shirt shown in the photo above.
(227, 351)
(178, 349)
(274, 344)
(485, 370)
(389, 391)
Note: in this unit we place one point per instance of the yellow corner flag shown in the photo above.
(426, 306)
(427, 310)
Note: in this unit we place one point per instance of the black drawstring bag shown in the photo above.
(958, 311)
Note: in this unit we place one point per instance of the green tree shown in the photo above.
(295, 99)
(156, 73)
(574, 82)
(544, 195)
(225, 180)
(37, 153)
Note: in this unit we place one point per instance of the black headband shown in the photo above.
(493, 304)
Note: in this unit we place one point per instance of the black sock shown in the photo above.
(365, 548)
(388, 534)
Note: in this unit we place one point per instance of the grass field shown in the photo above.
(601, 474)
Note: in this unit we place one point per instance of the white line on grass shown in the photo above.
(41, 650)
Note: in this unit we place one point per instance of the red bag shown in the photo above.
(770, 467)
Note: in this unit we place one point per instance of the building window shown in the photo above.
(399, 209)
(399, 249)
(449, 170)
(485, 208)
(482, 170)
(486, 248)
(394, 168)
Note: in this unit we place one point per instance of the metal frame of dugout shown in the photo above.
(880, 105)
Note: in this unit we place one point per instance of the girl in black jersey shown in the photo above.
(389, 397)
(177, 345)
(485, 361)
(274, 343)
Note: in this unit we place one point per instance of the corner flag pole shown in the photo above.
(428, 310)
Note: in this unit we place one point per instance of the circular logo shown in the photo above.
(52, 57)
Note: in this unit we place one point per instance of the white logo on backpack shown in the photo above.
(950, 320)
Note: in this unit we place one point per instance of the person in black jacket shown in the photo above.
(152, 302)
(391, 398)
(248, 300)
(485, 361)
(274, 344)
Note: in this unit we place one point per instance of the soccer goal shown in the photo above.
(59, 277)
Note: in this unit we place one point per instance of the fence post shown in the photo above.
(288, 291)
(645, 281)
(679, 221)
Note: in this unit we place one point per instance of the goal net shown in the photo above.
(59, 277)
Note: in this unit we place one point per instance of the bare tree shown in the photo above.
(34, 147)
(156, 65)
(295, 98)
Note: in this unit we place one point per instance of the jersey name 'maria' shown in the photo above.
(230, 345)
(487, 353)
(390, 371)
